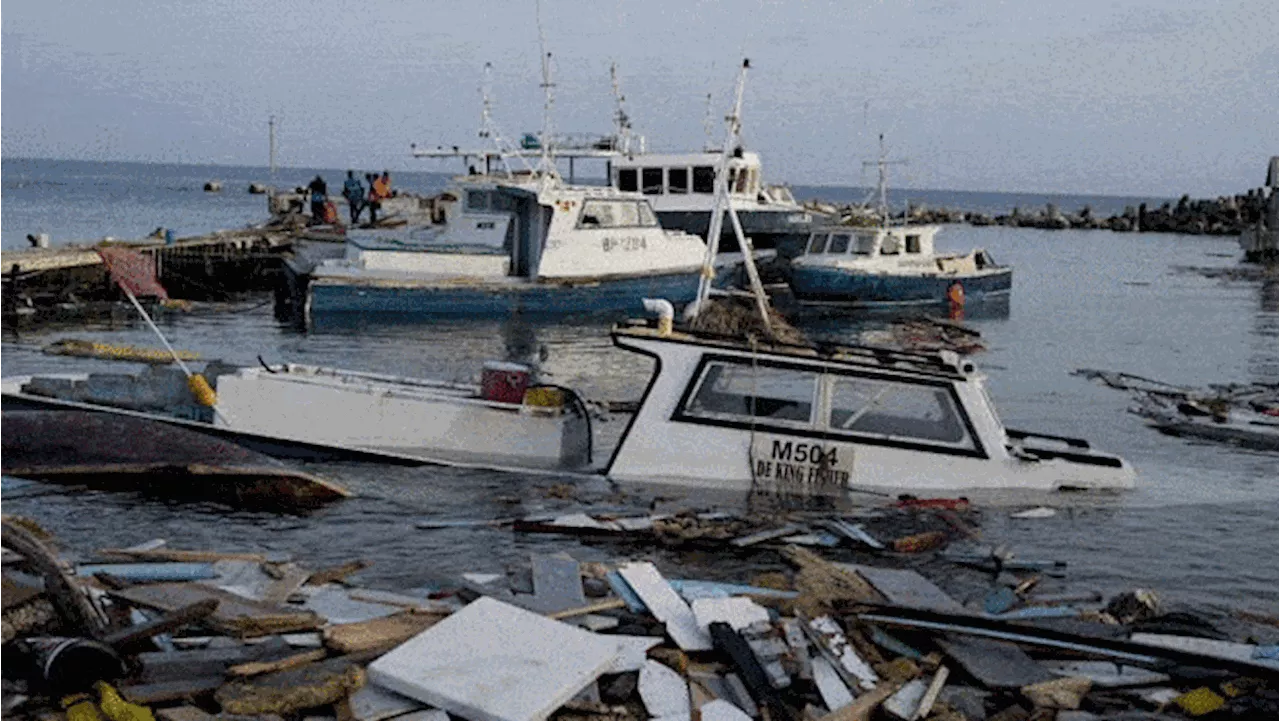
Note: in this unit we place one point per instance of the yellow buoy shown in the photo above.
(201, 390)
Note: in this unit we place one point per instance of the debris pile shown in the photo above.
(1243, 414)
(195, 635)
(926, 335)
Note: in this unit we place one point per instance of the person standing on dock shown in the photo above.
(353, 191)
(379, 190)
(319, 196)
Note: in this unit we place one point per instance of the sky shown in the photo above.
(1141, 97)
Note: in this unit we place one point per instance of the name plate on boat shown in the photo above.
(801, 465)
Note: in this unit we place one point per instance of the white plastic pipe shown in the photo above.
(666, 313)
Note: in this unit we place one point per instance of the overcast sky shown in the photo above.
(1133, 97)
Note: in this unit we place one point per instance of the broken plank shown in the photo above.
(235, 615)
(767, 535)
(283, 692)
(133, 638)
(606, 605)
(666, 606)
(386, 632)
(165, 691)
(835, 694)
(996, 664)
(170, 554)
(257, 668)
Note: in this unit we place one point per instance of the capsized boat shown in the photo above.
(892, 265)
(531, 245)
(507, 422)
(756, 416)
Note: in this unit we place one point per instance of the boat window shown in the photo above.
(615, 214)
(651, 181)
(866, 244)
(839, 243)
(626, 215)
(704, 179)
(746, 391)
(677, 180)
(913, 244)
(896, 410)
(892, 245)
(647, 218)
(502, 202)
(817, 242)
(627, 180)
(477, 200)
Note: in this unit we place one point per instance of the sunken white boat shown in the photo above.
(506, 422)
(768, 417)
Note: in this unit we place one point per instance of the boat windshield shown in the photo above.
(617, 214)
(896, 410)
(817, 242)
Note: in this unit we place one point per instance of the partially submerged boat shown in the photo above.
(507, 422)
(116, 453)
(751, 415)
(892, 265)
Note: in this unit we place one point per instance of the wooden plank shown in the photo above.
(905, 587)
(134, 637)
(235, 615)
(187, 689)
(666, 606)
(996, 664)
(169, 554)
(386, 632)
(607, 605)
(257, 668)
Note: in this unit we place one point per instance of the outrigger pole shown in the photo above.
(733, 137)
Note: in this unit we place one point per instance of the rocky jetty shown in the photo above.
(1216, 216)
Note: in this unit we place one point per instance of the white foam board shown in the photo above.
(666, 606)
(492, 661)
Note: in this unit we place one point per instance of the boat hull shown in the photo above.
(614, 296)
(825, 285)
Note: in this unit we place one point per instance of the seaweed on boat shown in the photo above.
(738, 317)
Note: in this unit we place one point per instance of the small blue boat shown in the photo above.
(894, 265)
(526, 244)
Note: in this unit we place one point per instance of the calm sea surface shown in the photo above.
(1201, 529)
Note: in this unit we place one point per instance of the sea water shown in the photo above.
(1201, 528)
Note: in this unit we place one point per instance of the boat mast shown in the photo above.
(271, 147)
(733, 139)
(546, 163)
(489, 129)
(621, 121)
(882, 186)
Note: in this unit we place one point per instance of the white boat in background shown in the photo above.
(766, 417)
(506, 422)
(526, 244)
(680, 186)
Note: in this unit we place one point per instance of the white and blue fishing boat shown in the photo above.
(891, 265)
(517, 244)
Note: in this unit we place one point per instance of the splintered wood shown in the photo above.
(821, 582)
(385, 633)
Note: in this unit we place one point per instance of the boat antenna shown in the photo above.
(489, 129)
(882, 185)
(732, 141)
(621, 121)
(546, 163)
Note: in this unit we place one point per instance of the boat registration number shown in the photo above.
(801, 464)
(626, 242)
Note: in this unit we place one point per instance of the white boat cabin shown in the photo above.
(677, 181)
(793, 420)
(896, 245)
(490, 228)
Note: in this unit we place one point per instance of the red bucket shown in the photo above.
(504, 382)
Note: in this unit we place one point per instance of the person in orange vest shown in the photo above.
(955, 301)
(379, 190)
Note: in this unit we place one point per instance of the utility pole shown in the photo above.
(271, 147)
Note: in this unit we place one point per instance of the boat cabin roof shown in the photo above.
(679, 160)
(939, 364)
